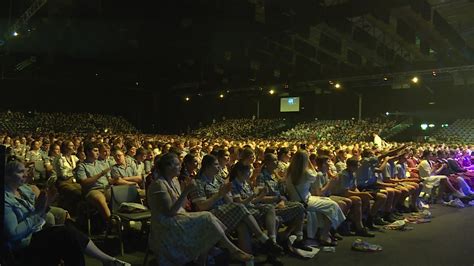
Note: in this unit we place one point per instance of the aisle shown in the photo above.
(447, 240)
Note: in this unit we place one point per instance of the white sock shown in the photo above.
(263, 238)
(299, 236)
(273, 238)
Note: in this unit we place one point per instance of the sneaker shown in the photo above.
(272, 247)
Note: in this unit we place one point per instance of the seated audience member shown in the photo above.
(131, 151)
(223, 156)
(212, 195)
(67, 185)
(413, 184)
(189, 168)
(341, 160)
(36, 156)
(123, 173)
(299, 182)
(370, 179)
(325, 185)
(389, 175)
(140, 157)
(431, 178)
(94, 179)
(178, 236)
(104, 155)
(27, 237)
(291, 213)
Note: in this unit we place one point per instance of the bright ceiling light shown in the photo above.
(414, 79)
(187, 99)
(15, 33)
(221, 95)
(271, 92)
(337, 86)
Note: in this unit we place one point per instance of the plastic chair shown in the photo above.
(119, 195)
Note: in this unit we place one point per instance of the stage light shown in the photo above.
(385, 78)
(431, 103)
(15, 33)
(424, 126)
(96, 74)
(330, 82)
(221, 95)
(431, 125)
(434, 73)
(187, 99)
(136, 83)
(414, 79)
(271, 92)
(387, 113)
(337, 86)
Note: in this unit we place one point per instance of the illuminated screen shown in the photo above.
(290, 104)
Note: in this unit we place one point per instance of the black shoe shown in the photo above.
(272, 248)
(364, 232)
(344, 229)
(403, 209)
(336, 236)
(274, 260)
(299, 244)
(379, 221)
(389, 218)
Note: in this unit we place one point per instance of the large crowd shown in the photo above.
(239, 128)
(338, 130)
(14, 122)
(245, 196)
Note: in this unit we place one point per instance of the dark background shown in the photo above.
(141, 59)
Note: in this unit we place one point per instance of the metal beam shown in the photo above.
(25, 17)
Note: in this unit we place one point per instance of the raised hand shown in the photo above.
(41, 203)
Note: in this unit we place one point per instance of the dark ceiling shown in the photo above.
(194, 46)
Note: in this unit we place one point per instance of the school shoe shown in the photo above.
(379, 221)
(272, 247)
(272, 260)
(364, 232)
(389, 218)
(299, 244)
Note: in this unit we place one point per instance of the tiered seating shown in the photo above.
(337, 130)
(239, 128)
(63, 122)
(462, 130)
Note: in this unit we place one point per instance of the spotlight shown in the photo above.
(337, 86)
(385, 78)
(187, 99)
(387, 113)
(136, 83)
(424, 126)
(221, 95)
(15, 33)
(431, 103)
(414, 79)
(431, 125)
(434, 73)
(272, 92)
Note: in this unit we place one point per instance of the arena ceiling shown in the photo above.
(190, 46)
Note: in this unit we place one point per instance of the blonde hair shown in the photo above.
(298, 166)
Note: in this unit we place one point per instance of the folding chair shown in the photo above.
(119, 195)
